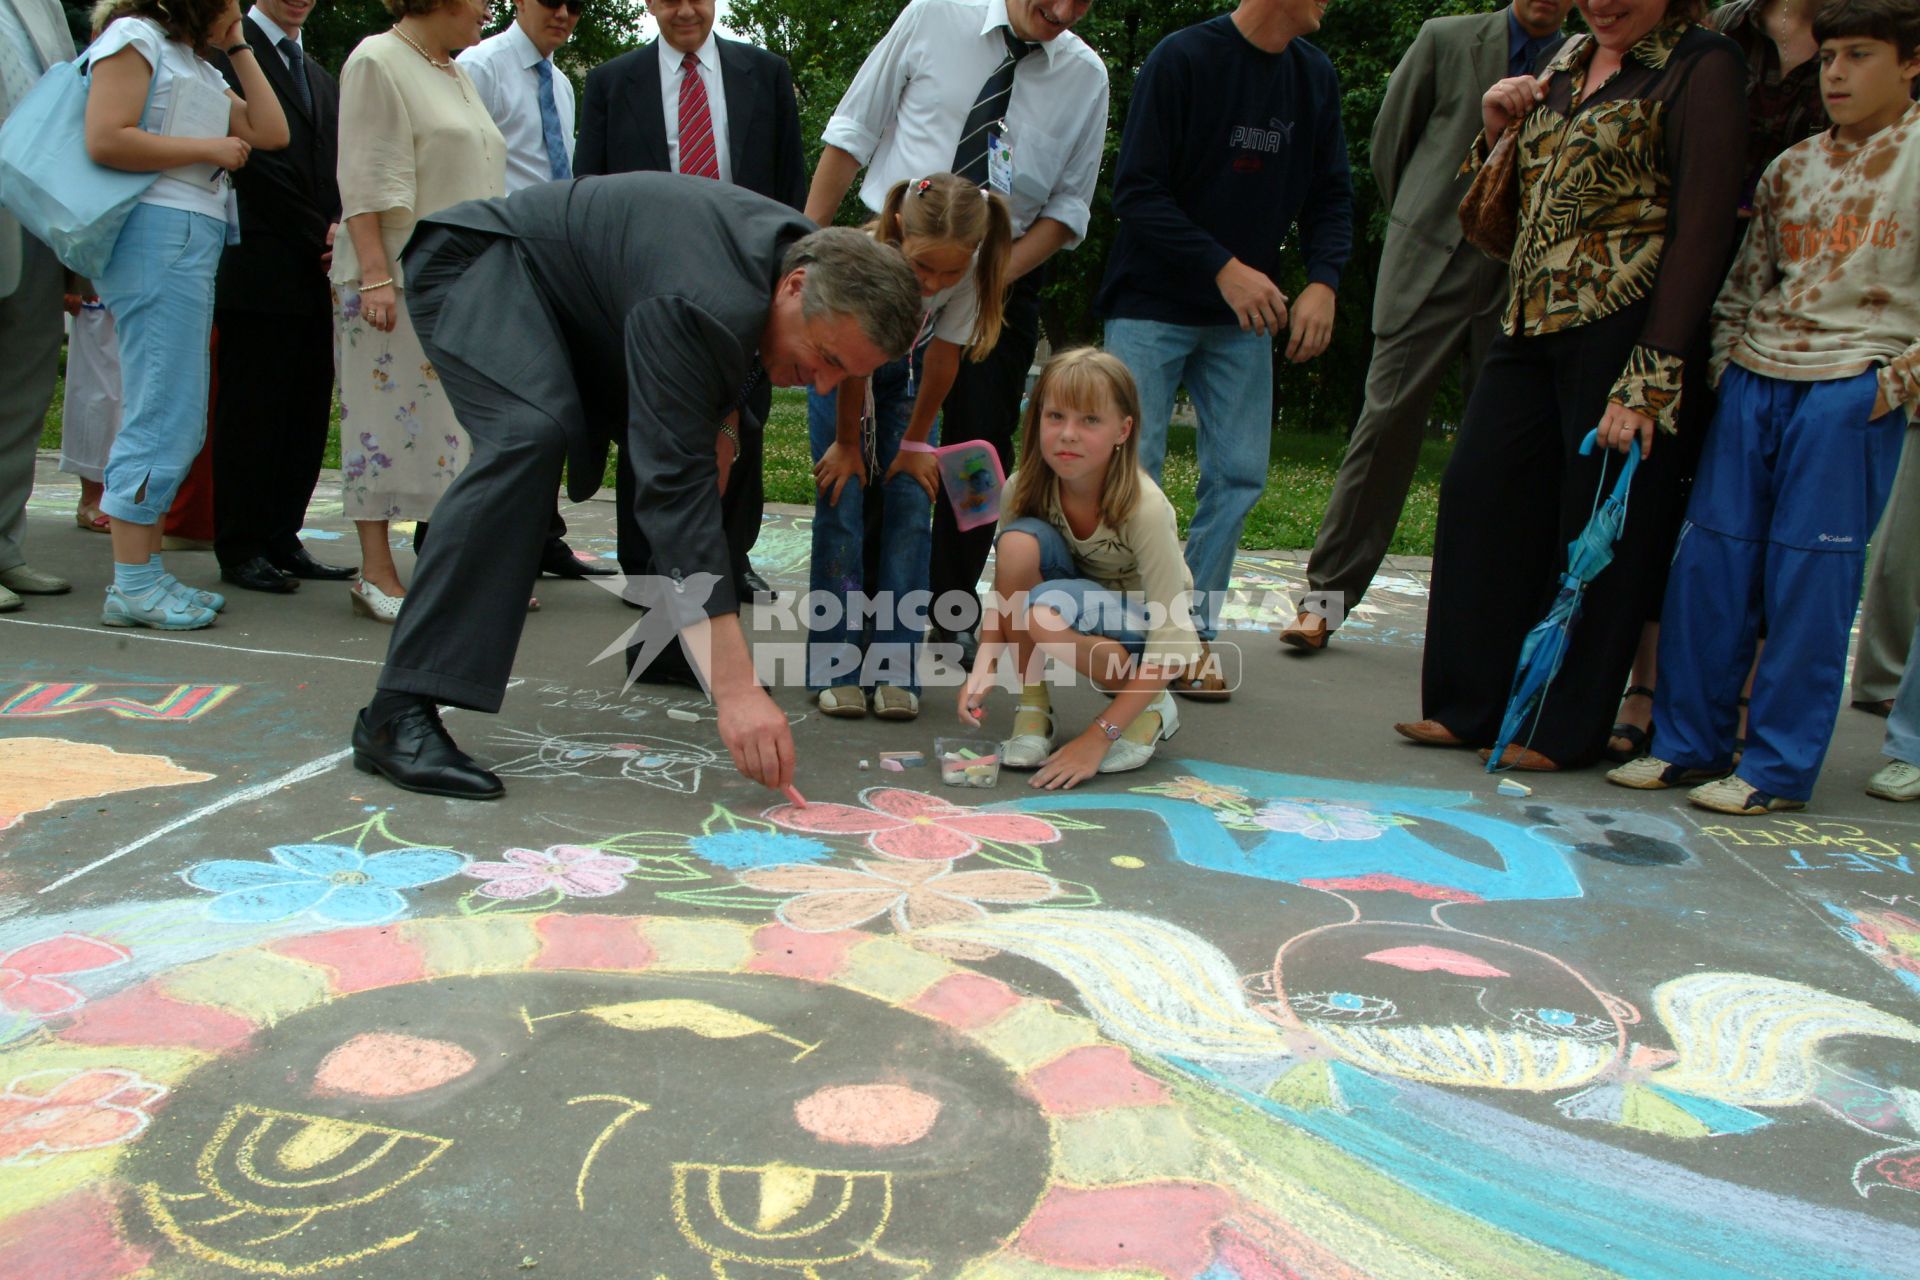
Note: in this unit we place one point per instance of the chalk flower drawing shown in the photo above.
(914, 826)
(918, 895)
(570, 870)
(50, 1113)
(337, 883)
(1321, 821)
(29, 976)
(747, 847)
(1214, 795)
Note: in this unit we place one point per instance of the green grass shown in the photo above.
(1299, 478)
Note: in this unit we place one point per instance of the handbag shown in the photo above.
(1490, 211)
(48, 181)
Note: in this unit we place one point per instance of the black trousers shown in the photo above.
(270, 429)
(985, 405)
(1515, 493)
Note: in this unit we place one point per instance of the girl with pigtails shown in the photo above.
(872, 442)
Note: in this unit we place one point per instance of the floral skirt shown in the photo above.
(400, 445)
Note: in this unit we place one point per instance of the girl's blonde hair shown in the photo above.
(947, 207)
(1088, 380)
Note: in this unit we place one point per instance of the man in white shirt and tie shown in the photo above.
(33, 36)
(532, 103)
(526, 96)
(1002, 92)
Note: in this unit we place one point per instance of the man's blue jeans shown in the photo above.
(1228, 374)
(882, 651)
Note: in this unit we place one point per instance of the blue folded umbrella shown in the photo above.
(1545, 647)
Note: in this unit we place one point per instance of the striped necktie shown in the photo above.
(989, 108)
(697, 154)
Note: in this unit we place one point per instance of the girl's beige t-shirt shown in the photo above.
(413, 140)
(1142, 555)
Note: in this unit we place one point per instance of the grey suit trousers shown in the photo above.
(1891, 609)
(29, 364)
(1459, 321)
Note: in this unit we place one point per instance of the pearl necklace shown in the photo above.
(417, 48)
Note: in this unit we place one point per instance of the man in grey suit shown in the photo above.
(648, 301)
(33, 37)
(1436, 298)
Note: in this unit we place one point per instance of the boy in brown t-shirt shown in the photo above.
(1816, 351)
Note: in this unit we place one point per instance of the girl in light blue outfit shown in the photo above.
(871, 443)
(155, 106)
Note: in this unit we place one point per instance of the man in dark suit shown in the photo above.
(274, 311)
(634, 113)
(655, 301)
(1436, 301)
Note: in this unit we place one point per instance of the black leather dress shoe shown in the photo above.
(750, 586)
(298, 564)
(413, 751)
(258, 574)
(558, 559)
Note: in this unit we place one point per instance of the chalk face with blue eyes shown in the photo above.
(1431, 1003)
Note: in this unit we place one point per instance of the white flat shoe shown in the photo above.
(29, 581)
(1123, 754)
(371, 602)
(1032, 740)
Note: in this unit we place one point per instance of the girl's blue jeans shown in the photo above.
(854, 639)
(159, 287)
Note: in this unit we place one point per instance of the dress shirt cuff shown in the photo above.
(1650, 384)
(851, 137)
(1071, 212)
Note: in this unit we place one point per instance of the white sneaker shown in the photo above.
(1898, 780)
(1032, 740)
(1734, 794)
(370, 601)
(1124, 754)
(1651, 773)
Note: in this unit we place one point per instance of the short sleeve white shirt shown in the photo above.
(502, 69)
(672, 73)
(198, 188)
(953, 311)
(902, 115)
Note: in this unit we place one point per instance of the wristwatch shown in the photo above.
(1113, 731)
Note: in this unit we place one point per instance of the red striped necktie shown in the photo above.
(697, 155)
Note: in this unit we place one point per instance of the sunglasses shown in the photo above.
(572, 6)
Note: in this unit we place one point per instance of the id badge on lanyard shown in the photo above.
(1000, 160)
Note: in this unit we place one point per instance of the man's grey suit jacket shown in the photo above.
(650, 293)
(1421, 137)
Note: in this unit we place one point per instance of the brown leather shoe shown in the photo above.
(1428, 733)
(1209, 685)
(1523, 759)
(1309, 632)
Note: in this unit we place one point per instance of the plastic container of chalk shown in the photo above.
(968, 762)
(971, 474)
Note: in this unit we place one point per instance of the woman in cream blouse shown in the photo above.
(414, 139)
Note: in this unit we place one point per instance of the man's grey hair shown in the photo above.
(849, 273)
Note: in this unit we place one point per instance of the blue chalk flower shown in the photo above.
(336, 883)
(739, 850)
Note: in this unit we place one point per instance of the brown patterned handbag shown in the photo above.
(1490, 213)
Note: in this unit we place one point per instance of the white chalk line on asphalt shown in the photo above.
(198, 644)
(311, 769)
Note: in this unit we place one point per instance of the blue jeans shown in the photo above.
(881, 646)
(1087, 607)
(1229, 375)
(1903, 725)
(159, 287)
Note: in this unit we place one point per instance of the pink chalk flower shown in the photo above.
(50, 1113)
(28, 976)
(571, 870)
(918, 895)
(914, 826)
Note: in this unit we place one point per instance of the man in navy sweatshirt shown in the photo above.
(1233, 137)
